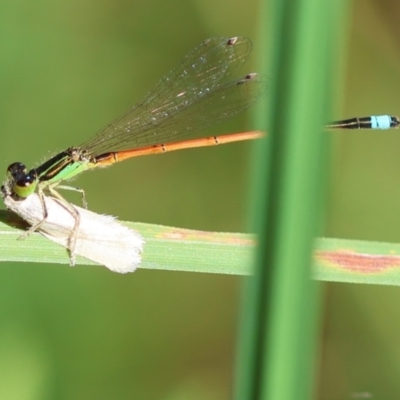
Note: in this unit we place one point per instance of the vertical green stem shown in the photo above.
(279, 323)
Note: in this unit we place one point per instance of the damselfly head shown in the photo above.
(19, 182)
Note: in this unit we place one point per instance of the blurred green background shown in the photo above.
(67, 69)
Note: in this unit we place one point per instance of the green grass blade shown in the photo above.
(357, 261)
(177, 249)
(166, 248)
(280, 315)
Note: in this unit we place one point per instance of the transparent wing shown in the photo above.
(194, 95)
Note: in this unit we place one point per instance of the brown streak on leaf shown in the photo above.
(186, 234)
(359, 262)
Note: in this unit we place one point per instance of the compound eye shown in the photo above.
(16, 170)
(26, 180)
(25, 185)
